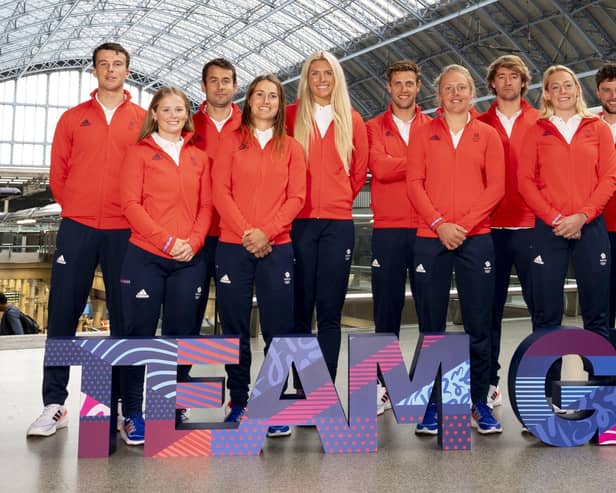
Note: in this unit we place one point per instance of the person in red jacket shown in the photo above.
(334, 139)
(217, 118)
(259, 188)
(606, 92)
(86, 154)
(395, 220)
(456, 177)
(166, 198)
(512, 221)
(567, 173)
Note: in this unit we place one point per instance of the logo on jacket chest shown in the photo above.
(476, 137)
(85, 123)
(435, 137)
(157, 157)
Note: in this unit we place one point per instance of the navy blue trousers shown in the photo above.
(79, 249)
(238, 274)
(209, 250)
(591, 259)
(512, 248)
(392, 262)
(612, 312)
(323, 252)
(148, 283)
(473, 263)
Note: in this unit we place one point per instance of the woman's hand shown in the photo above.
(182, 251)
(256, 242)
(570, 227)
(451, 235)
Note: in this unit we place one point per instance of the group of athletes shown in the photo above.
(260, 200)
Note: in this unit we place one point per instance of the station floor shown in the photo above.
(510, 462)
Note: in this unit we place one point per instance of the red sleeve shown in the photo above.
(606, 175)
(415, 181)
(132, 203)
(359, 158)
(204, 215)
(494, 172)
(384, 167)
(221, 190)
(528, 173)
(296, 192)
(60, 157)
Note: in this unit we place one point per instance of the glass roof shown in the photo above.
(170, 40)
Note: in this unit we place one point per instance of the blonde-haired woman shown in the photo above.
(335, 141)
(456, 177)
(567, 173)
(166, 198)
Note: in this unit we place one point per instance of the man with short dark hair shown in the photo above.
(10, 323)
(86, 158)
(217, 117)
(606, 92)
(395, 220)
(512, 221)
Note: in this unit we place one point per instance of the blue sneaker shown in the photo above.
(133, 431)
(278, 431)
(236, 413)
(429, 425)
(483, 419)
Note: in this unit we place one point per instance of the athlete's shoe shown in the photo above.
(235, 414)
(383, 403)
(53, 417)
(278, 431)
(483, 419)
(133, 431)
(495, 398)
(429, 425)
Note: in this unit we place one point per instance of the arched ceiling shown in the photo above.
(170, 40)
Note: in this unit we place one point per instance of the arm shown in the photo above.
(61, 148)
(132, 202)
(415, 183)
(359, 158)
(221, 190)
(494, 166)
(384, 167)
(528, 176)
(295, 196)
(204, 214)
(606, 175)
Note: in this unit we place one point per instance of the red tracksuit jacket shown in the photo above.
(512, 212)
(163, 201)
(461, 185)
(208, 139)
(387, 162)
(86, 159)
(330, 191)
(559, 178)
(258, 188)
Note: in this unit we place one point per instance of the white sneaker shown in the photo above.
(383, 403)
(53, 417)
(495, 398)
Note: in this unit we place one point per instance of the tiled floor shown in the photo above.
(509, 462)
